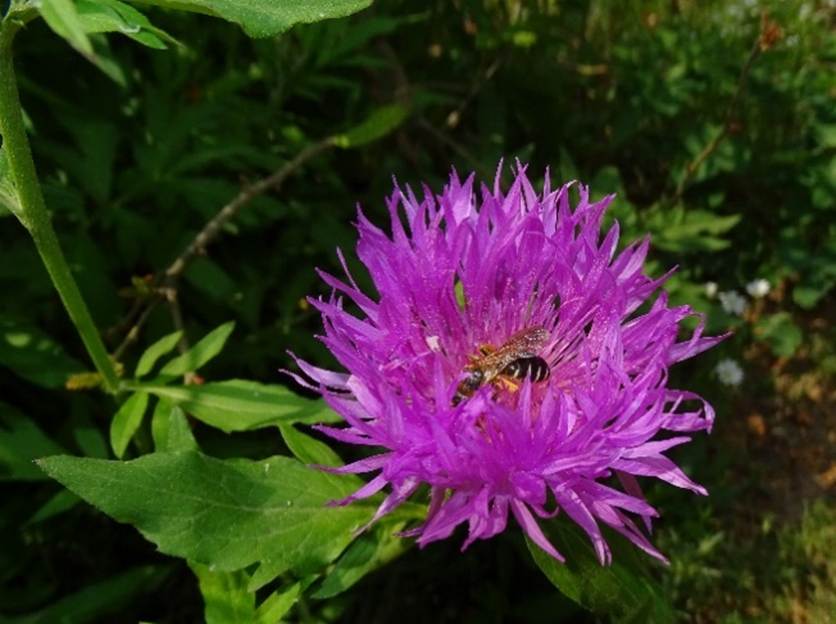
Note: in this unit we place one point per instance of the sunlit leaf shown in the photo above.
(112, 16)
(62, 17)
(241, 405)
(265, 18)
(153, 353)
(207, 348)
(126, 421)
(228, 513)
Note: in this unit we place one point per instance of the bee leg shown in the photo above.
(508, 383)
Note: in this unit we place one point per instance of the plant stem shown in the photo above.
(33, 214)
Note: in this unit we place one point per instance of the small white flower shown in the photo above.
(733, 302)
(758, 288)
(711, 289)
(729, 373)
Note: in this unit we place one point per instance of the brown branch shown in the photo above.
(164, 284)
(692, 167)
(211, 230)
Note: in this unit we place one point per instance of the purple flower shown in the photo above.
(550, 423)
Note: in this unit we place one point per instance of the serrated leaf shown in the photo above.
(622, 591)
(62, 17)
(265, 18)
(241, 405)
(21, 441)
(207, 348)
(228, 513)
(780, 332)
(381, 122)
(153, 353)
(126, 421)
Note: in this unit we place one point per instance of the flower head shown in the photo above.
(512, 361)
(729, 373)
(758, 288)
(733, 302)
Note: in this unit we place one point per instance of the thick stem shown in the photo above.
(33, 214)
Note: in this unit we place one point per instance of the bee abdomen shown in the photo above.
(532, 367)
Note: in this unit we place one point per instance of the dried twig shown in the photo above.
(769, 34)
(164, 284)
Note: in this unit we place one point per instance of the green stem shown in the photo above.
(33, 214)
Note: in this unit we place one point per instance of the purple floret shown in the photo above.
(462, 270)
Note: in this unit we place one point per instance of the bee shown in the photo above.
(514, 361)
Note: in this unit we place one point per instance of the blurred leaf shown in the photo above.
(170, 428)
(780, 332)
(153, 353)
(240, 405)
(106, 16)
(367, 553)
(680, 230)
(97, 601)
(210, 278)
(126, 421)
(33, 355)
(381, 122)
(21, 442)
(62, 501)
(228, 513)
(619, 591)
(265, 18)
(207, 348)
(62, 17)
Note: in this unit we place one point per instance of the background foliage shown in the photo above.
(714, 123)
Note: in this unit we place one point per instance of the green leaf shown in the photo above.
(780, 332)
(106, 16)
(228, 513)
(278, 604)
(381, 122)
(366, 554)
(21, 442)
(62, 17)
(170, 428)
(153, 353)
(240, 405)
(33, 355)
(207, 348)
(307, 449)
(97, 601)
(622, 590)
(62, 501)
(126, 421)
(265, 18)
(226, 598)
